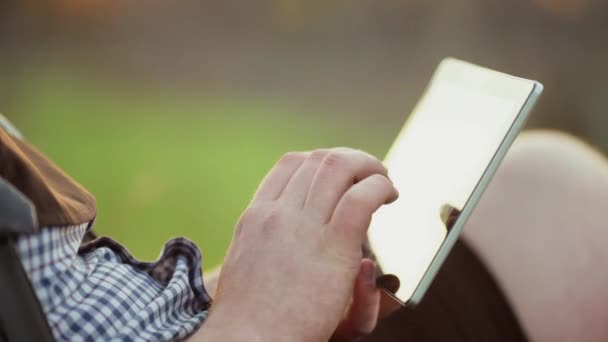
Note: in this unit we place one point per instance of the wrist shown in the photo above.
(230, 326)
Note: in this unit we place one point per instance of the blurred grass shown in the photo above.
(166, 166)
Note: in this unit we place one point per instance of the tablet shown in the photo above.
(441, 162)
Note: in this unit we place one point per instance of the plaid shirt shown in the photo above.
(99, 292)
(96, 291)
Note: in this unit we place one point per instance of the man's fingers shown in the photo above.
(274, 183)
(362, 314)
(296, 190)
(354, 211)
(339, 170)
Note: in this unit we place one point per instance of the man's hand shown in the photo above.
(293, 263)
(362, 313)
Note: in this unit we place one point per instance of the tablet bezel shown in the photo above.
(453, 234)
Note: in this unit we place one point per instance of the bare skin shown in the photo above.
(306, 223)
(541, 229)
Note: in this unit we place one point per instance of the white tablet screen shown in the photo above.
(438, 160)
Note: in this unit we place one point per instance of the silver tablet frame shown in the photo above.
(473, 200)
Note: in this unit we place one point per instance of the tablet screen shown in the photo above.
(448, 145)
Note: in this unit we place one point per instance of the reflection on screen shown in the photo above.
(437, 161)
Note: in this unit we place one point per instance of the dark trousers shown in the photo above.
(464, 303)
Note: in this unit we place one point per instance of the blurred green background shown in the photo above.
(172, 112)
(171, 166)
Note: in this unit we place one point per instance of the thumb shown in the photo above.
(362, 315)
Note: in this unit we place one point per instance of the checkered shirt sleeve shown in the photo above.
(99, 292)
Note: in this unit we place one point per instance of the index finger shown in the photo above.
(340, 170)
(353, 214)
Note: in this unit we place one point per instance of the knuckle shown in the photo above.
(249, 217)
(333, 159)
(383, 185)
(373, 162)
(241, 224)
(360, 153)
(366, 155)
(318, 155)
(381, 181)
(271, 220)
(264, 218)
(292, 157)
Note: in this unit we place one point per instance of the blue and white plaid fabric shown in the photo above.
(99, 292)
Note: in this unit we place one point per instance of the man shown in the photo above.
(295, 272)
(290, 228)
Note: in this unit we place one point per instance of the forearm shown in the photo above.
(224, 324)
(216, 330)
(228, 326)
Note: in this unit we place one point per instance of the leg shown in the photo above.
(540, 228)
(463, 304)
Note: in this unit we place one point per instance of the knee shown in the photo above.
(540, 227)
(546, 157)
(549, 177)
